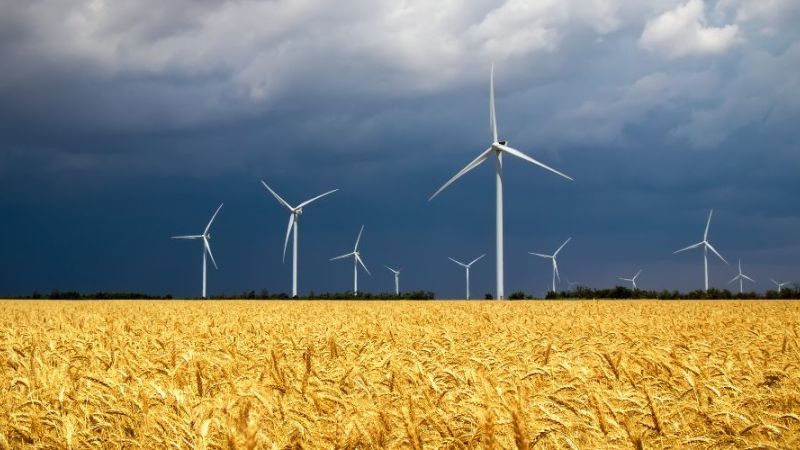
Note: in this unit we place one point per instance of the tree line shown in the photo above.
(247, 295)
(580, 292)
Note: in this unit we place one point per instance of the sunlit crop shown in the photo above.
(191, 374)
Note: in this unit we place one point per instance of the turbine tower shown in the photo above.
(632, 280)
(741, 277)
(706, 246)
(206, 236)
(294, 217)
(396, 280)
(498, 148)
(780, 285)
(356, 261)
(555, 264)
(467, 266)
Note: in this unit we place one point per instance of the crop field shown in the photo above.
(543, 375)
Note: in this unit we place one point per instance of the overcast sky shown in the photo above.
(125, 122)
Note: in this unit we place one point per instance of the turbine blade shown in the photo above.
(208, 249)
(492, 113)
(278, 197)
(708, 223)
(307, 202)
(208, 227)
(519, 154)
(473, 164)
(395, 271)
(288, 232)
(637, 274)
(688, 248)
(555, 267)
(562, 246)
(457, 262)
(187, 237)
(358, 239)
(748, 278)
(476, 259)
(734, 279)
(342, 256)
(717, 253)
(541, 255)
(360, 261)
(773, 281)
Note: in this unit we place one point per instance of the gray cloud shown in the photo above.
(570, 73)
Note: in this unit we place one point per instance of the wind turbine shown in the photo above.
(571, 283)
(396, 280)
(356, 261)
(467, 266)
(632, 280)
(555, 264)
(206, 236)
(780, 285)
(741, 277)
(294, 217)
(706, 246)
(498, 148)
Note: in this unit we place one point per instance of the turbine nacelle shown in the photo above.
(495, 145)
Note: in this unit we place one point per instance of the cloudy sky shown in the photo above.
(123, 123)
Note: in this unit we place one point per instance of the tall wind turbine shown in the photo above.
(294, 217)
(741, 277)
(780, 285)
(396, 280)
(555, 264)
(632, 280)
(498, 148)
(706, 246)
(467, 266)
(206, 236)
(356, 261)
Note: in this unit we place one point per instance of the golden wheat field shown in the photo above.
(190, 374)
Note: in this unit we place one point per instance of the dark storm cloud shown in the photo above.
(660, 110)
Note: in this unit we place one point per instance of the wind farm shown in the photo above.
(538, 281)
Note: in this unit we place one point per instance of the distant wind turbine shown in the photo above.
(741, 277)
(206, 236)
(780, 285)
(356, 254)
(498, 148)
(571, 283)
(632, 280)
(396, 280)
(467, 266)
(555, 264)
(294, 217)
(706, 246)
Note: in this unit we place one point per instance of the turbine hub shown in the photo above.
(208, 236)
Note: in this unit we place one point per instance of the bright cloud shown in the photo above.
(683, 31)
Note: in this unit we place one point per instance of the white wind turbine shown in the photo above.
(498, 148)
(294, 217)
(396, 280)
(356, 261)
(706, 246)
(780, 285)
(206, 236)
(466, 267)
(632, 280)
(741, 277)
(555, 264)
